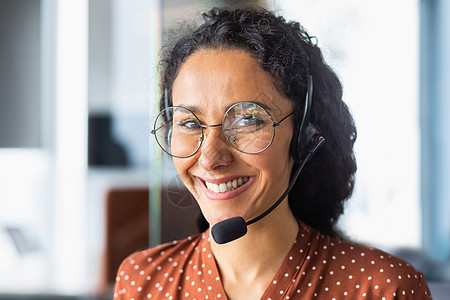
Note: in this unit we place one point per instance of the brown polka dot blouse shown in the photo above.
(317, 267)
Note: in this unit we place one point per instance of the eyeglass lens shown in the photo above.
(247, 127)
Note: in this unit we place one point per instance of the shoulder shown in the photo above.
(159, 264)
(161, 255)
(366, 271)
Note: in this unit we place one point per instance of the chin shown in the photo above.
(214, 218)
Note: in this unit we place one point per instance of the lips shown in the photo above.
(222, 189)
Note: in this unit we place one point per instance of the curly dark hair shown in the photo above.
(286, 51)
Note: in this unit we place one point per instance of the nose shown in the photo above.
(215, 152)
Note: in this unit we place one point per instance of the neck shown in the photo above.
(260, 252)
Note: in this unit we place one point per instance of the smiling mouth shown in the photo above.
(228, 186)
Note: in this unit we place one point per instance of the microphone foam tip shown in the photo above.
(229, 230)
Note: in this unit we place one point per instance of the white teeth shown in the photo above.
(226, 186)
(223, 187)
(234, 183)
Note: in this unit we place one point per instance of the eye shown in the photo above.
(190, 124)
(249, 120)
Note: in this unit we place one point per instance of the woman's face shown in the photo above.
(208, 83)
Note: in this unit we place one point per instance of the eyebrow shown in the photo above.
(192, 108)
(262, 105)
(196, 110)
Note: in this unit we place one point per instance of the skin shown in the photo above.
(209, 82)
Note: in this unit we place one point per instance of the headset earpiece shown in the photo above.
(305, 136)
(303, 142)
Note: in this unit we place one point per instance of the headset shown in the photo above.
(305, 136)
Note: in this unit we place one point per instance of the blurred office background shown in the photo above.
(83, 184)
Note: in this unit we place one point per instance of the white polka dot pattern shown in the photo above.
(317, 267)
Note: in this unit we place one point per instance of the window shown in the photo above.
(376, 56)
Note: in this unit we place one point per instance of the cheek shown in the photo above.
(282, 142)
(279, 159)
(276, 160)
(182, 165)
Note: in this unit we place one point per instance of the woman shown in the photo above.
(247, 99)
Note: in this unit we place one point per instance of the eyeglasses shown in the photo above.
(247, 127)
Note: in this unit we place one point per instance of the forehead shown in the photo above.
(211, 80)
